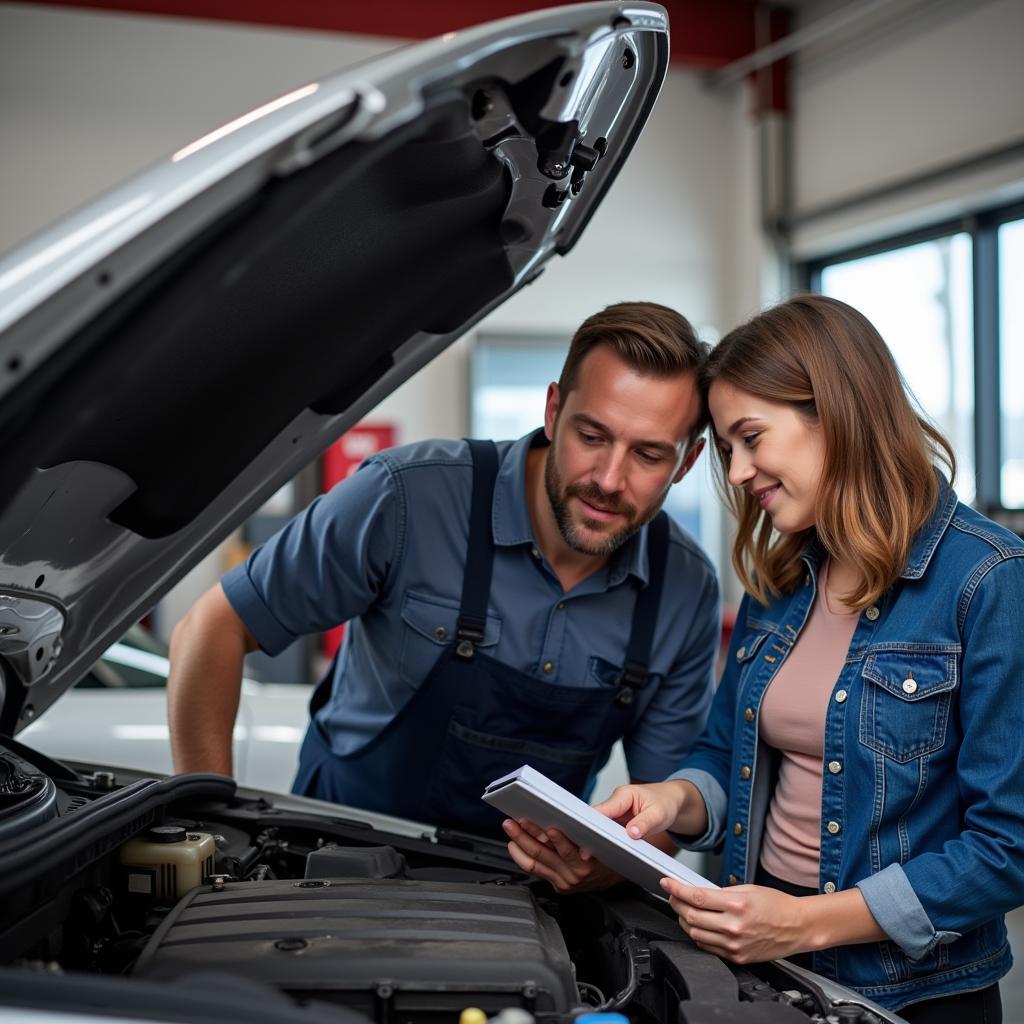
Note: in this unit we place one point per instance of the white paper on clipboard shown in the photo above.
(527, 793)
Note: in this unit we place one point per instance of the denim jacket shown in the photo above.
(922, 801)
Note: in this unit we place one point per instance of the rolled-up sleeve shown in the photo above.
(894, 905)
(326, 566)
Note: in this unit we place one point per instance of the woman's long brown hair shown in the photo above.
(878, 485)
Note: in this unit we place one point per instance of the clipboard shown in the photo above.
(528, 793)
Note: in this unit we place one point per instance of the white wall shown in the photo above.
(902, 97)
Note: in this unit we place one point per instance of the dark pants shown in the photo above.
(982, 1007)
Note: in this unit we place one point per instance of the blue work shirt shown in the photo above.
(384, 551)
(922, 806)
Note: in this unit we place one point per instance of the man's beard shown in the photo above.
(559, 495)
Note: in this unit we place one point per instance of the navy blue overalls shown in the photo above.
(474, 718)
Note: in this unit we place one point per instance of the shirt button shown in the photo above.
(741, 654)
(745, 772)
(841, 696)
(548, 666)
(561, 605)
(441, 633)
(909, 686)
(749, 714)
(535, 552)
(807, 580)
(830, 887)
(833, 828)
(835, 767)
(733, 879)
(737, 829)
(872, 613)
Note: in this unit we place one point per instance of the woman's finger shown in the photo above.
(618, 804)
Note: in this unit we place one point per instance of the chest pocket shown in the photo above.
(430, 625)
(746, 655)
(907, 695)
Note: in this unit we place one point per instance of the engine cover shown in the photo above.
(395, 949)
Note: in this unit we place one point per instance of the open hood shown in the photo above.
(176, 351)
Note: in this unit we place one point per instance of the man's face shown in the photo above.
(618, 441)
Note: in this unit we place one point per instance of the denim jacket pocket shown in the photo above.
(907, 694)
(746, 652)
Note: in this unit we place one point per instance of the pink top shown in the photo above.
(793, 722)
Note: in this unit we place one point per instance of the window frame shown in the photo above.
(983, 228)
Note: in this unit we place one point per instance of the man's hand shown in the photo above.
(551, 856)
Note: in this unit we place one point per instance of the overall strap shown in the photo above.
(645, 613)
(476, 577)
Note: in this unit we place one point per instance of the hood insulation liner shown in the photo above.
(305, 297)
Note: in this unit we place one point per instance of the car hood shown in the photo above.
(173, 353)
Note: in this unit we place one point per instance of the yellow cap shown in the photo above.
(472, 1015)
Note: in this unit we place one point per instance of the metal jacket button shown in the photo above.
(737, 829)
(733, 879)
(909, 686)
(745, 772)
(830, 887)
(749, 714)
(872, 613)
(833, 827)
(835, 767)
(741, 654)
(548, 666)
(841, 695)
(441, 633)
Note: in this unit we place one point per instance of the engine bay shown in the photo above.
(117, 887)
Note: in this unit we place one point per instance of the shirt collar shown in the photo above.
(510, 516)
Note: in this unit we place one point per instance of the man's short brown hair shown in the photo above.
(649, 338)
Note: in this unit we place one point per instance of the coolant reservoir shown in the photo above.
(166, 861)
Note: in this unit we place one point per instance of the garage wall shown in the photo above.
(918, 88)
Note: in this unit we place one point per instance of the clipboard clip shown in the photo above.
(631, 679)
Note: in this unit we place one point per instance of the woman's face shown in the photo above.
(773, 452)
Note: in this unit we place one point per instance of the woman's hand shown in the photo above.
(556, 859)
(675, 805)
(744, 923)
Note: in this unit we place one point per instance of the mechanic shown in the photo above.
(509, 603)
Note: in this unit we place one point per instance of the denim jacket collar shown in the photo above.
(927, 539)
(924, 545)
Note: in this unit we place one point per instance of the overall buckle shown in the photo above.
(631, 679)
(467, 637)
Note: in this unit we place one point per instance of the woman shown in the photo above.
(863, 758)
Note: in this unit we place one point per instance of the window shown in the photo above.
(919, 299)
(944, 303)
(1011, 367)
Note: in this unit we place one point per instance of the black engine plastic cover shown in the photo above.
(418, 948)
